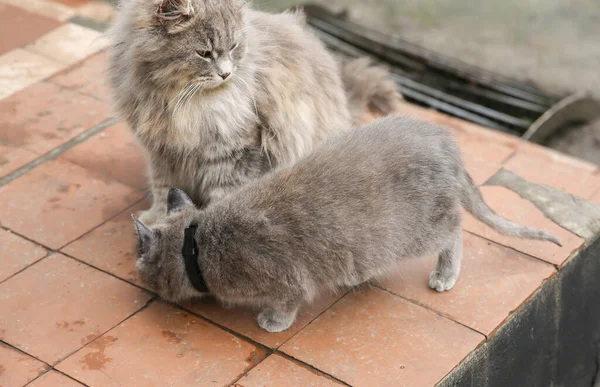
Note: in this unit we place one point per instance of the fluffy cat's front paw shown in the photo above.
(273, 321)
(441, 282)
(152, 217)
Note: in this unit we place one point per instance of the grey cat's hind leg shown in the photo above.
(448, 266)
(277, 319)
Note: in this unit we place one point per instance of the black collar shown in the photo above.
(190, 256)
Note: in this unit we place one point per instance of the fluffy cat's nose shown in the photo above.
(224, 75)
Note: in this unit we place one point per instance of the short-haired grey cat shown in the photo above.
(348, 212)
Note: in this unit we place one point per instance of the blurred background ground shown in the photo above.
(553, 43)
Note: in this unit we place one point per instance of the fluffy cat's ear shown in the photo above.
(174, 11)
(176, 200)
(145, 235)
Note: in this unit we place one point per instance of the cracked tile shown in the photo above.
(511, 206)
(556, 170)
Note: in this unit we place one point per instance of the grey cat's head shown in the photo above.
(185, 42)
(159, 262)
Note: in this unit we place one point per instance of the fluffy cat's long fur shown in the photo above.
(219, 94)
(348, 212)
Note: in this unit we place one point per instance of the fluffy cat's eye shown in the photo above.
(234, 47)
(204, 54)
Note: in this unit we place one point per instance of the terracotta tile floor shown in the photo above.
(73, 312)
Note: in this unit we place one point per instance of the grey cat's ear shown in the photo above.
(177, 200)
(174, 10)
(145, 235)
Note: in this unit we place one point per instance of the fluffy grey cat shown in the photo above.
(348, 212)
(219, 93)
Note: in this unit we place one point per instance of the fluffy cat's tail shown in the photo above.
(368, 86)
(473, 202)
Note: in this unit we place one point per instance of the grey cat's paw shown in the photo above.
(273, 321)
(441, 282)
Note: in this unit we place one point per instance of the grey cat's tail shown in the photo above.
(473, 202)
(368, 86)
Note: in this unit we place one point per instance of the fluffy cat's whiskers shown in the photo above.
(178, 95)
(250, 92)
(184, 97)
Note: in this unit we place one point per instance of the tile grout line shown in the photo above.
(57, 371)
(415, 302)
(148, 303)
(310, 367)
(50, 367)
(556, 266)
(265, 348)
(63, 66)
(71, 377)
(60, 251)
(71, 88)
(594, 194)
(47, 365)
(268, 350)
(53, 154)
(464, 360)
(245, 373)
(277, 351)
(507, 159)
(52, 251)
(60, 66)
(313, 319)
(107, 273)
(109, 177)
(48, 253)
(110, 218)
(512, 313)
